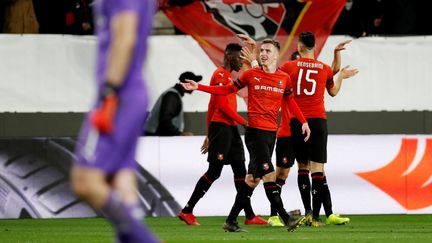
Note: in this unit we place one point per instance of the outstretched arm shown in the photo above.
(217, 90)
(345, 73)
(337, 56)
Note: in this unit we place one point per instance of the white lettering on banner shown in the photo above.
(351, 193)
(268, 88)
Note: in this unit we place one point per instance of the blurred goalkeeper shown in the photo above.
(104, 173)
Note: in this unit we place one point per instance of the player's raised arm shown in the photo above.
(336, 64)
(346, 72)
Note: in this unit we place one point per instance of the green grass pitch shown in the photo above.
(363, 228)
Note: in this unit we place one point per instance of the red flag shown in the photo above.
(214, 23)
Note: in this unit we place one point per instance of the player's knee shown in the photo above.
(316, 167)
(213, 175)
(303, 166)
(282, 173)
(251, 181)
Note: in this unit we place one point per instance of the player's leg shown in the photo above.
(220, 136)
(284, 161)
(90, 185)
(319, 153)
(237, 160)
(203, 185)
(246, 190)
(304, 186)
(302, 153)
(265, 142)
(123, 209)
(242, 198)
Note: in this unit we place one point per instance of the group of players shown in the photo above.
(104, 172)
(296, 90)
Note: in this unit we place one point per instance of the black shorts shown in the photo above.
(260, 144)
(284, 152)
(225, 144)
(315, 149)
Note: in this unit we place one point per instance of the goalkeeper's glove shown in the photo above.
(102, 118)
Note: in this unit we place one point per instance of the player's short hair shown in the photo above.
(307, 39)
(273, 42)
(295, 55)
(232, 47)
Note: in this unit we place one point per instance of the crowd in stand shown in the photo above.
(358, 18)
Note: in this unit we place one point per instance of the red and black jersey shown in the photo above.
(310, 79)
(223, 108)
(266, 91)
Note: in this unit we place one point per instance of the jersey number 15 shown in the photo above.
(308, 79)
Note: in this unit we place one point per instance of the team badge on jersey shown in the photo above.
(266, 166)
(220, 157)
(280, 83)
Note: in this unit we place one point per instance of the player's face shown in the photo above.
(235, 61)
(268, 54)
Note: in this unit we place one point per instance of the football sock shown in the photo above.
(272, 193)
(279, 183)
(327, 203)
(201, 188)
(317, 187)
(304, 186)
(126, 220)
(242, 198)
(238, 182)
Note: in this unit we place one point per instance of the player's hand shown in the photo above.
(245, 125)
(346, 72)
(306, 130)
(341, 46)
(247, 55)
(102, 118)
(190, 85)
(246, 39)
(205, 146)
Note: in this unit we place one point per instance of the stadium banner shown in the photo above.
(56, 73)
(213, 23)
(367, 174)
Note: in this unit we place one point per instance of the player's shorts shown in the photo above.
(226, 145)
(113, 152)
(260, 144)
(284, 152)
(315, 149)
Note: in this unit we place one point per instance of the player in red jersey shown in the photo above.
(223, 142)
(285, 156)
(267, 87)
(310, 80)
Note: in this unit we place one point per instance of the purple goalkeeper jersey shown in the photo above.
(105, 11)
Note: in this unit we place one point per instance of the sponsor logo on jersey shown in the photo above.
(268, 88)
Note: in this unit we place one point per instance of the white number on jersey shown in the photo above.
(308, 79)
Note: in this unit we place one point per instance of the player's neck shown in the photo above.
(307, 54)
(269, 69)
(227, 67)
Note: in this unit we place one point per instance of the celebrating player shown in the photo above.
(267, 86)
(223, 141)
